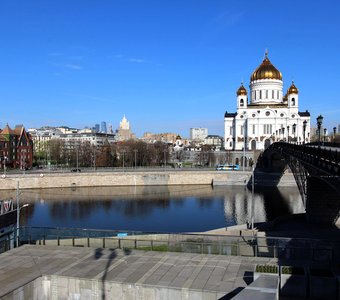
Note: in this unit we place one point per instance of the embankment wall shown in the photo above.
(98, 179)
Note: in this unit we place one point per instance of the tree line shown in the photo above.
(128, 154)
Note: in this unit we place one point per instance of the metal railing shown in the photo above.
(325, 251)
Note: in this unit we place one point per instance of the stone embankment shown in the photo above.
(100, 179)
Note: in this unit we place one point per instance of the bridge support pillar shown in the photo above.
(322, 203)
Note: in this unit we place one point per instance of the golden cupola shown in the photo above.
(266, 71)
(292, 89)
(241, 91)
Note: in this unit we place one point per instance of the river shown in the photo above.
(154, 208)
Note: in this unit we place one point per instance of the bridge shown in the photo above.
(316, 170)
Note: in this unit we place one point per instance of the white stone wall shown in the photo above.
(266, 91)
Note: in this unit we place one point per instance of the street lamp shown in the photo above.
(288, 133)
(123, 159)
(135, 150)
(5, 159)
(304, 130)
(165, 159)
(245, 139)
(18, 213)
(324, 135)
(319, 123)
(294, 130)
(77, 160)
(334, 133)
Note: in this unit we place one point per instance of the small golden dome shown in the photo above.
(293, 89)
(241, 90)
(266, 71)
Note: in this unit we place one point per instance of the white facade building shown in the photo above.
(198, 134)
(269, 116)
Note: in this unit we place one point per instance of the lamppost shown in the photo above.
(77, 160)
(294, 131)
(324, 135)
(135, 150)
(94, 158)
(18, 213)
(288, 133)
(334, 133)
(5, 159)
(304, 130)
(164, 159)
(123, 159)
(319, 123)
(283, 134)
(245, 140)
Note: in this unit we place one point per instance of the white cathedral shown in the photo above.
(269, 116)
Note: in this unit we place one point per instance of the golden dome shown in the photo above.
(241, 90)
(293, 89)
(266, 71)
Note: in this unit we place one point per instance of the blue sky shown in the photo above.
(167, 65)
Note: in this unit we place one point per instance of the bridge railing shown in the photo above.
(321, 157)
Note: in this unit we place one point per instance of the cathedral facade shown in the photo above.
(268, 116)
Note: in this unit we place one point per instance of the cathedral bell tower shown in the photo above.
(293, 97)
(242, 98)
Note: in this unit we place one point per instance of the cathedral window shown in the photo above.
(293, 101)
(278, 96)
(272, 94)
(260, 94)
(267, 128)
(241, 102)
(253, 128)
(231, 130)
(267, 113)
(267, 94)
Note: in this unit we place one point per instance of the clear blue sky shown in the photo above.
(167, 65)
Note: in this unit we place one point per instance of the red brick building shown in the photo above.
(16, 148)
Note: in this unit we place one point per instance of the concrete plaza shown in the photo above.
(52, 272)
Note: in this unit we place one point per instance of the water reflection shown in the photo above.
(154, 208)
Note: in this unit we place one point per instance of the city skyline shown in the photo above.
(170, 65)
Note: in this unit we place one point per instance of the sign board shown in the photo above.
(6, 206)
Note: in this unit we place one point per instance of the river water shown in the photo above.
(154, 208)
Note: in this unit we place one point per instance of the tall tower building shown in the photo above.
(103, 127)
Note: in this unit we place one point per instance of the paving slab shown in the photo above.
(159, 273)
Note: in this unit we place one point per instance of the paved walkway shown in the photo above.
(195, 275)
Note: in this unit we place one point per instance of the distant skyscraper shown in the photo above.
(103, 127)
(109, 128)
(96, 127)
(124, 131)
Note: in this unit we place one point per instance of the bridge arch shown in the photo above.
(317, 174)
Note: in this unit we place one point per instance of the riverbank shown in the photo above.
(151, 178)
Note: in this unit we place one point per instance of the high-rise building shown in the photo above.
(269, 116)
(96, 128)
(124, 131)
(103, 127)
